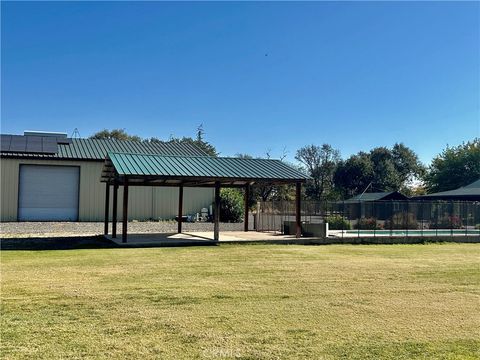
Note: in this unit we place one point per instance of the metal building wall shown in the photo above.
(144, 202)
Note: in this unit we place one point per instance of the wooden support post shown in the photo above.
(107, 207)
(298, 209)
(114, 210)
(125, 212)
(245, 201)
(257, 217)
(216, 212)
(180, 208)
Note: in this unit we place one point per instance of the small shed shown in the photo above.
(373, 204)
(128, 169)
(378, 196)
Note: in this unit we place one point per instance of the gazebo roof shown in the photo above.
(150, 170)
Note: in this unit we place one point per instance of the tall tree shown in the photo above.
(385, 174)
(117, 134)
(407, 164)
(382, 169)
(320, 163)
(455, 167)
(354, 175)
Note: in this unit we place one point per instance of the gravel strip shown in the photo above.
(10, 229)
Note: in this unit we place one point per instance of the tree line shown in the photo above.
(198, 140)
(380, 169)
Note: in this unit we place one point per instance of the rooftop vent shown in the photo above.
(45, 134)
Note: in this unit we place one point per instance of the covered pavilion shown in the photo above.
(128, 169)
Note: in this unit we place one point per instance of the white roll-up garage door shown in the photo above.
(48, 193)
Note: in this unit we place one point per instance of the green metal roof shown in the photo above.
(97, 149)
(469, 192)
(376, 196)
(188, 167)
(474, 185)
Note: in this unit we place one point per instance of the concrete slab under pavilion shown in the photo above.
(199, 238)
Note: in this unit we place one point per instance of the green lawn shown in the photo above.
(249, 302)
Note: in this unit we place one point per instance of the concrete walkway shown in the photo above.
(205, 238)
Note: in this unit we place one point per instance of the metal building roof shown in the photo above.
(474, 185)
(143, 168)
(97, 149)
(468, 192)
(378, 196)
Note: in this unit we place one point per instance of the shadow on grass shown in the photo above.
(100, 242)
(56, 243)
(91, 242)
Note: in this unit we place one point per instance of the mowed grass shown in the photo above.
(248, 302)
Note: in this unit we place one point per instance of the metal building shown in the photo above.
(49, 177)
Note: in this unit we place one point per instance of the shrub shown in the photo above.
(337, 222)
(231, 205)
(402, 220)
(368, 224)
(447, 222)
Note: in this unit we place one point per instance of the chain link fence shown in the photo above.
(376, 218)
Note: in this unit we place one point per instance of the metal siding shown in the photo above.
(9, 189)
(144, 202)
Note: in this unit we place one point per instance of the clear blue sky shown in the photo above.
(257, 75)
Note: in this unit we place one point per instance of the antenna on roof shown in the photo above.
(76, 134)
(370, 184)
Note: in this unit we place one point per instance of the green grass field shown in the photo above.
(248, 302)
